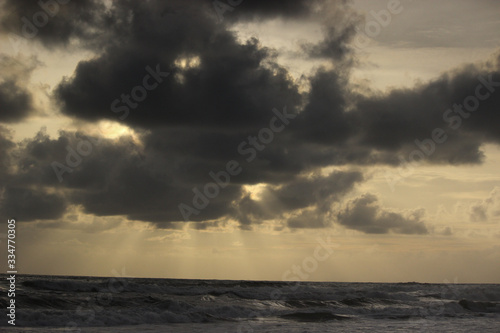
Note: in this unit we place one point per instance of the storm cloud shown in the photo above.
(16, 100)
(193, 91)
(365, 214)
(53, 23)
(317, 194)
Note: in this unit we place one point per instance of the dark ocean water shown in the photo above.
(95, 304)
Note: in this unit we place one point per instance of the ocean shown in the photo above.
(97, 304)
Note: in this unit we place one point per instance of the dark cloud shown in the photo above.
(52, 23)
(393, 122)
(6, 146)
(339, 23)
(28, 204)
(230, 88)
(213, 92)
(316, 193)
(16, 101)
(107, 178)
(148, 182)
(305, 192)
(323, 120)
(364, 214)
(235, 86)
(430, 123)
(335, 45)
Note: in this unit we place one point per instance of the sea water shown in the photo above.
(96, 304)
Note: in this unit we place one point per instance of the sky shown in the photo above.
(318, 140)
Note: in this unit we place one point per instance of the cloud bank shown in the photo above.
(182, 80)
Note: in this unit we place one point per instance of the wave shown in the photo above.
(92, 301)
(474, 306)
(313, 316)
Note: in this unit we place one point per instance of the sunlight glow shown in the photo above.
(256, 191)
(111, 130)
(189, 62)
